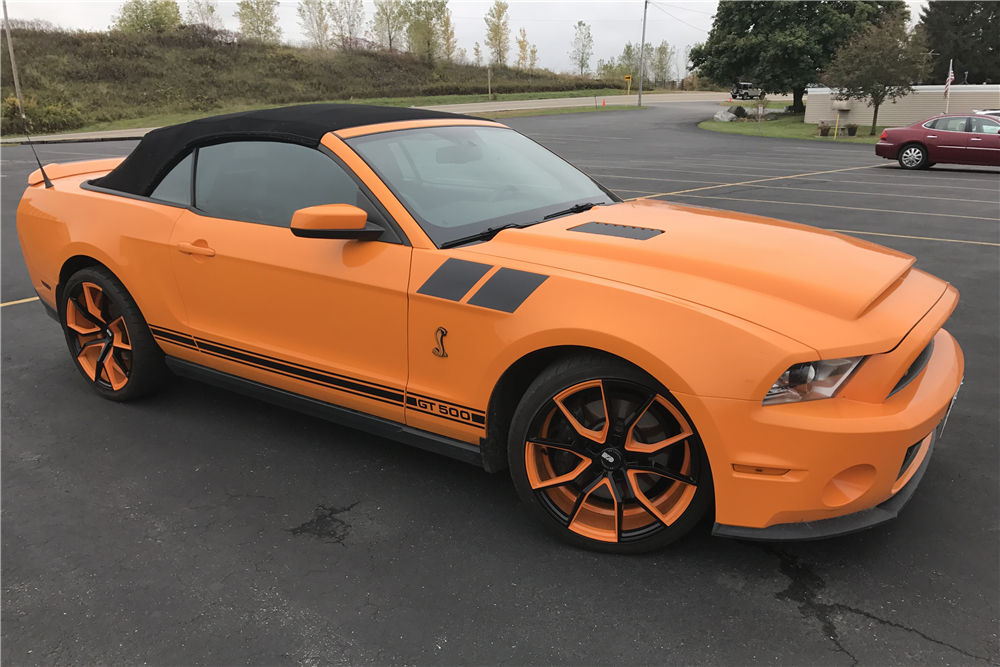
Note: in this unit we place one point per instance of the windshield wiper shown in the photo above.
(485, 235)
(576, 208)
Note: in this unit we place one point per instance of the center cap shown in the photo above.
(611, 459)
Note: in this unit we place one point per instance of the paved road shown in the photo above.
(200, 527)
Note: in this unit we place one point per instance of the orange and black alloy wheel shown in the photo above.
(610, 461)
(108, 338)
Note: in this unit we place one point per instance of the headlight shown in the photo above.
(811, 381)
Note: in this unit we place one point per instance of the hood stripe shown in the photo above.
(454, 279)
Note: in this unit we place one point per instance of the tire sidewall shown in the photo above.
(547, 385)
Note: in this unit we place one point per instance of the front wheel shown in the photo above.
(913, 156)
(108, 338)
(604, 456)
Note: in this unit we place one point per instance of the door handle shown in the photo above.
(192, 249)
(974, 139)
(932, 136)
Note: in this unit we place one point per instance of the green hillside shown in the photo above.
(76, 79)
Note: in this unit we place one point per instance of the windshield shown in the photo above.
(459, 181)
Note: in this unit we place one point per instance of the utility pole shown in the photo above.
(642, 48)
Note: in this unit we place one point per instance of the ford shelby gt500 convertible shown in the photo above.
(449, 283)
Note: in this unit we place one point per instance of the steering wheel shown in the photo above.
(503, 193)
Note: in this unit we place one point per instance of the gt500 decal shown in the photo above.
(444, 410)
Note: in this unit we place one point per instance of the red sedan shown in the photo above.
(946, 139)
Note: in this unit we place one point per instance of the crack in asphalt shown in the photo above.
(325, 525)
(804, 588)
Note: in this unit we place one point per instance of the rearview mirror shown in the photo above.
(334, 221)
(459, 154)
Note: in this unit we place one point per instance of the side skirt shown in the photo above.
(385, 428)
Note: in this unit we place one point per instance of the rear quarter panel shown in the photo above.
(128, 236)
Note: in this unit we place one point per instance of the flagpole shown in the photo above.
(947, 88)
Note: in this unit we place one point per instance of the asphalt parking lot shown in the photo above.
(203, 527)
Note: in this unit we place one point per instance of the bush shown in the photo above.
(44, 119)
(739, 112)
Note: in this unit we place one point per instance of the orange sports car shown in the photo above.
(447, 282)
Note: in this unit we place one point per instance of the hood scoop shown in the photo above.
(621, 231)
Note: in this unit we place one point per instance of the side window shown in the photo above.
(176, 185)
(267, 181)
(950, 124)
(985, 126)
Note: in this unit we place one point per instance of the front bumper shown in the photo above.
(810, 463)
(841, 525)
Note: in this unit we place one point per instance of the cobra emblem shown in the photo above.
(439, 335)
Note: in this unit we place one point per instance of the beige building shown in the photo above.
(923, 102)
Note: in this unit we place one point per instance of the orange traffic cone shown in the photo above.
(604, 103)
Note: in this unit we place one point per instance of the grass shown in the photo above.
(746, 104)
(792, 127)
(160, 120)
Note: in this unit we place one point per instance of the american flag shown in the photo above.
(951, 77)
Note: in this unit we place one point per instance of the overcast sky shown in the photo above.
(549, 23)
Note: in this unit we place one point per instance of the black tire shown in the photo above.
(108, 338)
(913, 156)
(585, 486)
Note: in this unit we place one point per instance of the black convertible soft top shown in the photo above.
(305, 124)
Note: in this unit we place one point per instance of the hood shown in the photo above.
(821, 288)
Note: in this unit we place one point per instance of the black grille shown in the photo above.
(914, 370)
(911, 453)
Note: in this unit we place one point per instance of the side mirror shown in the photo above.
(334, 221)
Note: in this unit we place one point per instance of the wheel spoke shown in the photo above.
(638, 413)
(619, 501)
(652, 448)
(600, 437)
(91, 357)
(121, 339)
(564, 446)
(94, 298)
(535, 480)
(582, 498)
(652, 470)
(115, 372)
(74, 312)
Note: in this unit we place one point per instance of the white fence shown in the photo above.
(923, 102)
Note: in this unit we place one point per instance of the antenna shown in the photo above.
(17, 90)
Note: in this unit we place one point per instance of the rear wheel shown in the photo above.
(604, 456)
(913, 156)
(108, 337)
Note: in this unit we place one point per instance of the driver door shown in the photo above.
(319, 317)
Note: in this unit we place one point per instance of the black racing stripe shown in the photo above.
(453, 279)
(507, 290)
(303, 379)
(298, 366)
(171, 337)
(451, 419)
(307, 374)
(173, 331)
(621, 231)
(437, 400)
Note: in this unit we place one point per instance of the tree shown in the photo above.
(389, 23)
(782, 46)
(477, 55)
(147, 16)
(662, 62)
(498, 32)
(259, 20)
(967, 32)
(348, 18)
(314, 23)
(879, 63)
(423, 27)
(449, 45)
(583, 47)
(523, 49)
(533, 57)
(204, 12)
